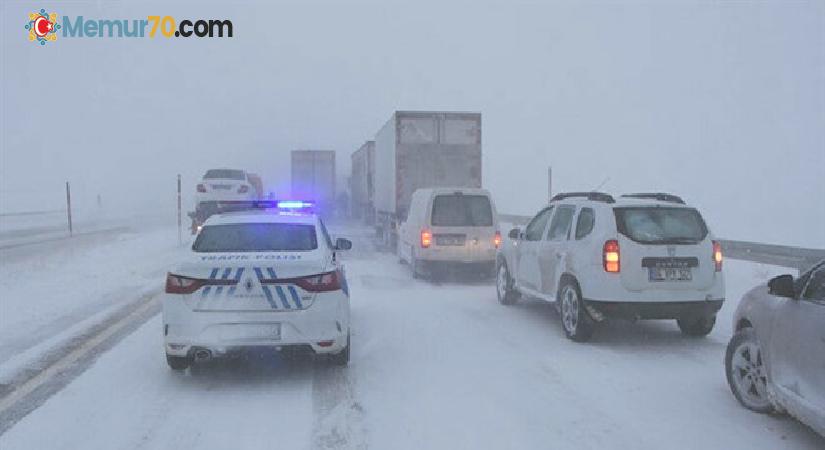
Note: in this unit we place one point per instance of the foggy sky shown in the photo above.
(722, 103)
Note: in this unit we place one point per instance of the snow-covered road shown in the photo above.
(434, 366)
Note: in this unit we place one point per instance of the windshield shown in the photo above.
(256, 237)
(224, 174)
(661, 225)
(458, 210)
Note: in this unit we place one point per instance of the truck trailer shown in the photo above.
(422, 149)
(313, 178)
(362, 182)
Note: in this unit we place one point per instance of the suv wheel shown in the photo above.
(577, 324)
(507, 295)
(178, 362)
(746, 372)
(697, 326)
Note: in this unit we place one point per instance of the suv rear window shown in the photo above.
(458, 210)
(225, 174)
(661, 225)
(256, 237)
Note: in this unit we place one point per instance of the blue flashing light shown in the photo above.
(295, 204)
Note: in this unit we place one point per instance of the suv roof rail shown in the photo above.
(595, 196)
(661, 196)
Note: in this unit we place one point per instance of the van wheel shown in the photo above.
(577, 323)
(507, 295)
(414, 265)
(697, 326)
(178, 363)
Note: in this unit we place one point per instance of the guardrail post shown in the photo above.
(180, 236)
(69, 207)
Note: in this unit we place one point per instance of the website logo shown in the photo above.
(42, 26)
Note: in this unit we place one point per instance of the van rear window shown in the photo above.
(256, 237)
(661, 225)
(224, 174)
(458, 210)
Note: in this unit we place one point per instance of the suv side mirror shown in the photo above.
(514, 233)
(343, 244)
(782, 286)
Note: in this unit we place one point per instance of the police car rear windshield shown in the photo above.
(256, 237)
(225, 174)
(458, 210)
(661, 225)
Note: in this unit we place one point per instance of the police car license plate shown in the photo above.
(265, 331)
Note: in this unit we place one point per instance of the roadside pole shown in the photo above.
(180, 236)
(69, 206)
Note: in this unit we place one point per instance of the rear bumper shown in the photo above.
(485, 266)
(323, 327)
(652, 310)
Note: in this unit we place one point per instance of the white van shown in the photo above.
(448, 228)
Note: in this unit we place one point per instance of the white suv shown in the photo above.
(638, 256)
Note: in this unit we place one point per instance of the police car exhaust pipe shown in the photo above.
(203, 355)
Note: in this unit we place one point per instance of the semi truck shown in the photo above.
(422, 149)
(313, 178)
(362, 182)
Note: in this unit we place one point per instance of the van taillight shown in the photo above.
(610, 256)
(497, 239)
(243, 189)
(717, 256)
(201, 188)
(426, 238)
(324, 282)
(182, 285)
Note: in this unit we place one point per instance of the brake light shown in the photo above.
(426, 238)
(182, 285)
(717, 256)
(610, 256)
(324, 282)
(201, 188)
(243, 189)
(497, 239)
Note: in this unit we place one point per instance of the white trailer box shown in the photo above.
(313, 178)
(362, 181)
(420, 149)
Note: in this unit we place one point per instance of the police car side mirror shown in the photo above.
(514, 234)
(782, 286)
(343, 244)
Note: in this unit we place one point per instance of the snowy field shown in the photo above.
(433, 366)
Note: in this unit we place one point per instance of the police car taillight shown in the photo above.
(324, 282)
(182, 285)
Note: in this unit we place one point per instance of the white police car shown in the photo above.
(258, 278)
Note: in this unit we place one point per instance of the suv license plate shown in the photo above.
(669, 274)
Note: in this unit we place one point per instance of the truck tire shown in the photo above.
(577, 324)
(506, 292)
(697, 326)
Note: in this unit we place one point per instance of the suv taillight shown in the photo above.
(324, 282)
(426, 238)
(717, 256)
(497, 239)
(243, 189)
(182, 285)
(201, 188)
(610, 256)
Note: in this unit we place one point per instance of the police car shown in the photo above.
(264, 276)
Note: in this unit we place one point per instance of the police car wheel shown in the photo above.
(178, 362)
(342, 358)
